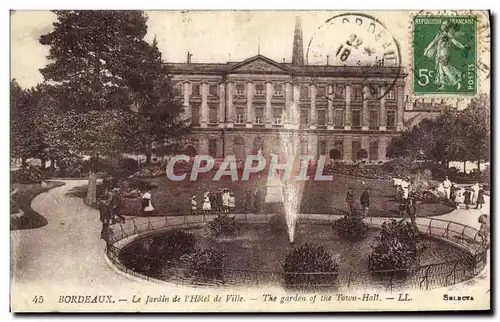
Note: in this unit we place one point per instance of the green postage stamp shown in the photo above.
(444, 55)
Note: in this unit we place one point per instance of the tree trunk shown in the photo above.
(148, 157)
(42, 163)
(478, 169)
(92, 189)
(465, 164)
(23, 162)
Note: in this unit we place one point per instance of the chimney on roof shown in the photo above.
(189, 57)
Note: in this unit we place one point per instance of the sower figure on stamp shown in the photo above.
(439, 50)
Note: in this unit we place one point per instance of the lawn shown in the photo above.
(320, 197)
(22, 200)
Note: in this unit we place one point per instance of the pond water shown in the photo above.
(258, 252)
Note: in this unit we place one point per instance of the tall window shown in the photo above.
(196, 90)
(304, 91)
(213, 90)
(391, 118)
(321, 148)
(339, 90)
(304, 117)
(212, 113)
(391, 95)
(373, 153)
(373, 119)
(278, 116)
(212, 148)
(239, 148)
(240, 89)
(356, 145)
(321, 117)
(259, 89)
(339, 145)
(338, 118)
(358, 93)
(356, 118)
(259, 115)
(195, 115)
(321, 91)
(278, 90)
(240, 115)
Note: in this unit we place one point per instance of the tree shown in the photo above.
(476, 130)
(25, 139)
(111, 89)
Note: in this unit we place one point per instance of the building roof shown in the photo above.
(263, 64)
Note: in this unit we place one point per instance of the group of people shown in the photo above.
(468, 196)
(109, 208)
(223, 201)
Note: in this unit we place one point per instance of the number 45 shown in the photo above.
(423, 76)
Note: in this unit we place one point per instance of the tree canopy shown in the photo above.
(452, 136)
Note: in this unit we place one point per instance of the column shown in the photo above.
(249, 116)
(348, 112)
(288, 102)
(383, 141)
(296, 104)
(313, 117)
(400, 106)
(347, 155)
(229, 104)
(382, 115)
(222, 106)
(186, 89)
(268, 112)
(330, 107)
(365, 125)
(204, 105)
(312, 142)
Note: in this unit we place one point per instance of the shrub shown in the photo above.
(223, 225)
(350, 227)
(205, 263)
(396, 248)
(309, 259)
(27, 174)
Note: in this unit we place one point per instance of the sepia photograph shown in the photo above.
(250, 161)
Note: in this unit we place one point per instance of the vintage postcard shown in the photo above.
(250, 161)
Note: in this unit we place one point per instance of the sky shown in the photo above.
(213, 37)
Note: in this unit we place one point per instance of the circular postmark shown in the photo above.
(358, 40)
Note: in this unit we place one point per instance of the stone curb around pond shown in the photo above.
(424, 225)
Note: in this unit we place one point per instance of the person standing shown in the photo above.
(248, 202)
(484, 231)
(467, 198)
(453, 192)
(257, 201)
(475, 193)
(350, 200)
(207, 206)
(459, 198)
(365, 202)
(194, 206)
(232, 202)
(225, 201)
(147, 203)
(447, 186)
(480, 199)
(115, 204)
(104, 216)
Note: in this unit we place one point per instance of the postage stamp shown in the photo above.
(444, 55)
(250, 161)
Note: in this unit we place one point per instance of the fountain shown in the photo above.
(286, 194)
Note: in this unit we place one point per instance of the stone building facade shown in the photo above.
(237, 108)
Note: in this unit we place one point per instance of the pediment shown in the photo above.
(259, 64)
